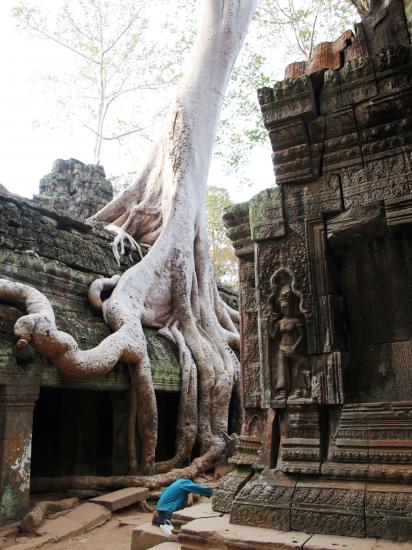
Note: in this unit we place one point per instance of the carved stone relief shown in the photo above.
(285, 329)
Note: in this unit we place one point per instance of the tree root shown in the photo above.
(199, 466)
(173, 286)
(42, 511)
(122, 238)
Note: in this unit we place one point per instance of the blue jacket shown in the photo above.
(175, 496)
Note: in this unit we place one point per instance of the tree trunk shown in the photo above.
(173, 287)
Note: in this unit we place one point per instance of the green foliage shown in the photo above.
(223, 257)
(125, 56)
(305, 23)
(282, 31)
(117, 59)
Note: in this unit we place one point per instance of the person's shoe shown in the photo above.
(167, 528)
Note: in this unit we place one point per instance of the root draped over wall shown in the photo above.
(173, 287)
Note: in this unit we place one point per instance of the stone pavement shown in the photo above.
(200, 527)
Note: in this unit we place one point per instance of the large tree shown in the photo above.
(173, 287)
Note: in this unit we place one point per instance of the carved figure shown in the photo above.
(287, 326)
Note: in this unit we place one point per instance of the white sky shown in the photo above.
(27, 149)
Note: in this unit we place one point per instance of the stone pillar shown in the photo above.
(16, 422)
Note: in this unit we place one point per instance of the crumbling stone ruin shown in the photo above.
(325, 295)
(75, 188)
(51, 425)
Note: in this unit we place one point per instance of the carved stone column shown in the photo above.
(16, 422)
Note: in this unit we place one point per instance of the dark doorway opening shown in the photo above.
(167, 406)
(72, 433)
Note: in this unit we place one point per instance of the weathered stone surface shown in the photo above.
(218, 533)
(325, 506)
(33, 543)
(61, 528)
(265, 501)
(146, 536)
(122, 498)
(76, 188)
(332, 542)
(89, 515)
(167, 546)
(388, 511)
(80, 520)
(61, 256)
(325, 293)
(228, 488)
(203, 510)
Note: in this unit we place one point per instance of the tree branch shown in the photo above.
(124, 31)
(312, 34)
(363, 6)
(61, 43)
(106, 138)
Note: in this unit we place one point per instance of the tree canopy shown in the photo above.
(126, 56)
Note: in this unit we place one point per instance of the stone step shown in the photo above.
(199, 511)
(167, 546)
(122, 498)
(148, 535)
(80, 520)
(31, 544)
(219, 534)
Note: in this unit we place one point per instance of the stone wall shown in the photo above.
(60, 256)
(325, 295)
(75, 188)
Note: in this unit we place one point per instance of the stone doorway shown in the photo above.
(72, 433)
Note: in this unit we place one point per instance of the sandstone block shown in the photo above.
(34, 543)
(146, 536)
(89, 515)
(167, 546)
(219, 534)
(81, 519)
(203, 510)
(333, 542)
(122, 498)
(61, 528)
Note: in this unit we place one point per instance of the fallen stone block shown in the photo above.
(60, 529)
(89, 515)
(334, 542)
(122, 498)
(203, 510)
(148, 535)
(32, 544)
(383, 544)
(167, 546)
(80, 520)
(219, 534)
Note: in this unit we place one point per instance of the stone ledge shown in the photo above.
(147, 535)
(80, 520)
(31, 544)
(219, 534)
(200, 511)
(122, 498)
(167, 546)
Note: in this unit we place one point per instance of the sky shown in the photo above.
(28, 141)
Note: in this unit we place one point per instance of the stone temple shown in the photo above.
(325, 264)
(326, 295)
(53, 426)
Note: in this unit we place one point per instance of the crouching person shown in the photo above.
(175, 498)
